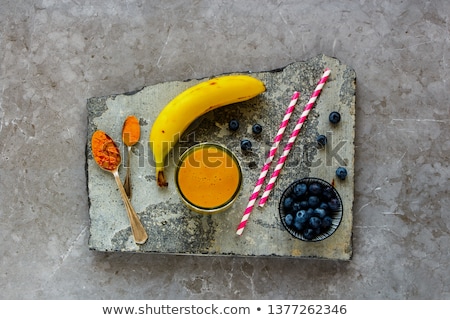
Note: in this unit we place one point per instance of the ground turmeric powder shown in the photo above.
(105, 151)
(131, 131)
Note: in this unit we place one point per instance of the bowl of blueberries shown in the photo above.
(311, 209)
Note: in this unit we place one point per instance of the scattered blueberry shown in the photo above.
(321, 140)
(341, 172)
(299, 190)
(313, 201)
(246, 145)
(334, 117)
(233, 125)
(288, 219)
(315, 188)
(257, 128)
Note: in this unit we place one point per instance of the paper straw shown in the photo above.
(293, 136)
(268, 162)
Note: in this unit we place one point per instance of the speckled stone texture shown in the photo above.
(171, 226)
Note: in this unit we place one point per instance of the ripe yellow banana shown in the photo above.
(197, 100)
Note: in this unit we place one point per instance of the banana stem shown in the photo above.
(160, 178)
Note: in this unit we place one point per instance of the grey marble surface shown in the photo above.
(56, 54)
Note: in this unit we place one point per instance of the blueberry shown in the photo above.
(315, 222)
(246, 145)
(321, 140)
(315, 188)
(287, 203)
(321, 213)
(296, 206)
(298, 225)
(334, 204)
(328, 193)
(334, 117)
(324, 206)
(313, 201)
(314, 213)
(233, 125)
(309, 234)
(257, 128)
(326, 222)
(341, 172)
(301, 219)
(301, 216)
(304, 204)
(288, 219)
(299, 190)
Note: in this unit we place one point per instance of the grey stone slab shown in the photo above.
(173, 228)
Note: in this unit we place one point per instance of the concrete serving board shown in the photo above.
(172, 227)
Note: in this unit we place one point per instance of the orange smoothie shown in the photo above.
(208, 177)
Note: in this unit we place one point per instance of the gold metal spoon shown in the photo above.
(131, 132)
(107, 156)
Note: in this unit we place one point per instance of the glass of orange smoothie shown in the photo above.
(208, 178)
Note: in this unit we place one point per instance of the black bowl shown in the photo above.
(311, 209)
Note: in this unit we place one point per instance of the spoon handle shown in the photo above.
(127, 182)
(139, 233)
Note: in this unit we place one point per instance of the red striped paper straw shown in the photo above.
(294, 136)
(267, 163)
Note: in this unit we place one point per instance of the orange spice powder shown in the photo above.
(131, 131)
(105, 151)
